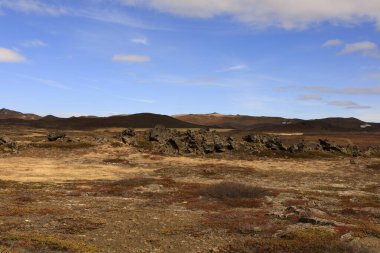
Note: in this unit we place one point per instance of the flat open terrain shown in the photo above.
(107, 197)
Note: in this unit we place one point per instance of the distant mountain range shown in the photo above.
(149, 120)
(142, 120)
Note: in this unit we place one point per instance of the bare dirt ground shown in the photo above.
(107, 197)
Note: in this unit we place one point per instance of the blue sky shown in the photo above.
(306, 59)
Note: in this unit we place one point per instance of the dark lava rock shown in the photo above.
(298, 147)
(54, 136)
(129, 132)
(326, 145)
(317, 221)
(127, 136)
(8, 144)
(4, 140)
(275, 143)
(159, 133)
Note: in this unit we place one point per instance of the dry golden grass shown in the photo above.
(44, 243)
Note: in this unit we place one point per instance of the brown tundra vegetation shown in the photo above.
(168, 190)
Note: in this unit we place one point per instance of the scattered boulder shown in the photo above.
(275, 143)
(7, 144)
(254, 139)
(317, 221)
(299, 147)
(54, 136)
(5, 140)
(326, 145)
(129, 132)
(128, 135)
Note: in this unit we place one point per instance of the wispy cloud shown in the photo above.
(374, 90)
(332, 43)
(310, 97)
(33, 43)
(8, 55)
(360, 91)
(348, 104)
(131, 58)
(33, 6)
(91, 11)
(297, 14)
(115, 17)
(140, 41)
(50, 83)
(235, 68)
(365, 48)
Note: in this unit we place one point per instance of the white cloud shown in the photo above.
(32, 6)
(50, 83)
(8, 55)
(93, 11)
(332, 43)
(235, 68)
(141, 41)
(374, 90)
(131, 58)
(289, 14)
(366, 48)
(310, 97)
(348, 104)
(33, 43)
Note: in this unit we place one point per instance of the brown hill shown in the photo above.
(240, 122)
(142, 120)
(323, 125)
(9, 114)
(277, 124)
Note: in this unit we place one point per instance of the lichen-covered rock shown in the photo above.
(275, 143)
(127, 136)
(4, 140)
(8, 144)
(298, 147)
(170, 141)
(54, 136)
(326, 145)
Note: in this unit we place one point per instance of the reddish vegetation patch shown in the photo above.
(374, 166)
(243, 222)
(301, 241)
(22, 211)
(116, 161)
(294, 202)
(231, 190)
(361, 202)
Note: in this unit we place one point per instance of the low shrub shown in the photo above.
(374, 166)
(232, 190)
(315, 240)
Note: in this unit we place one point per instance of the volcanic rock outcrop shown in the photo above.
(201, 142)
